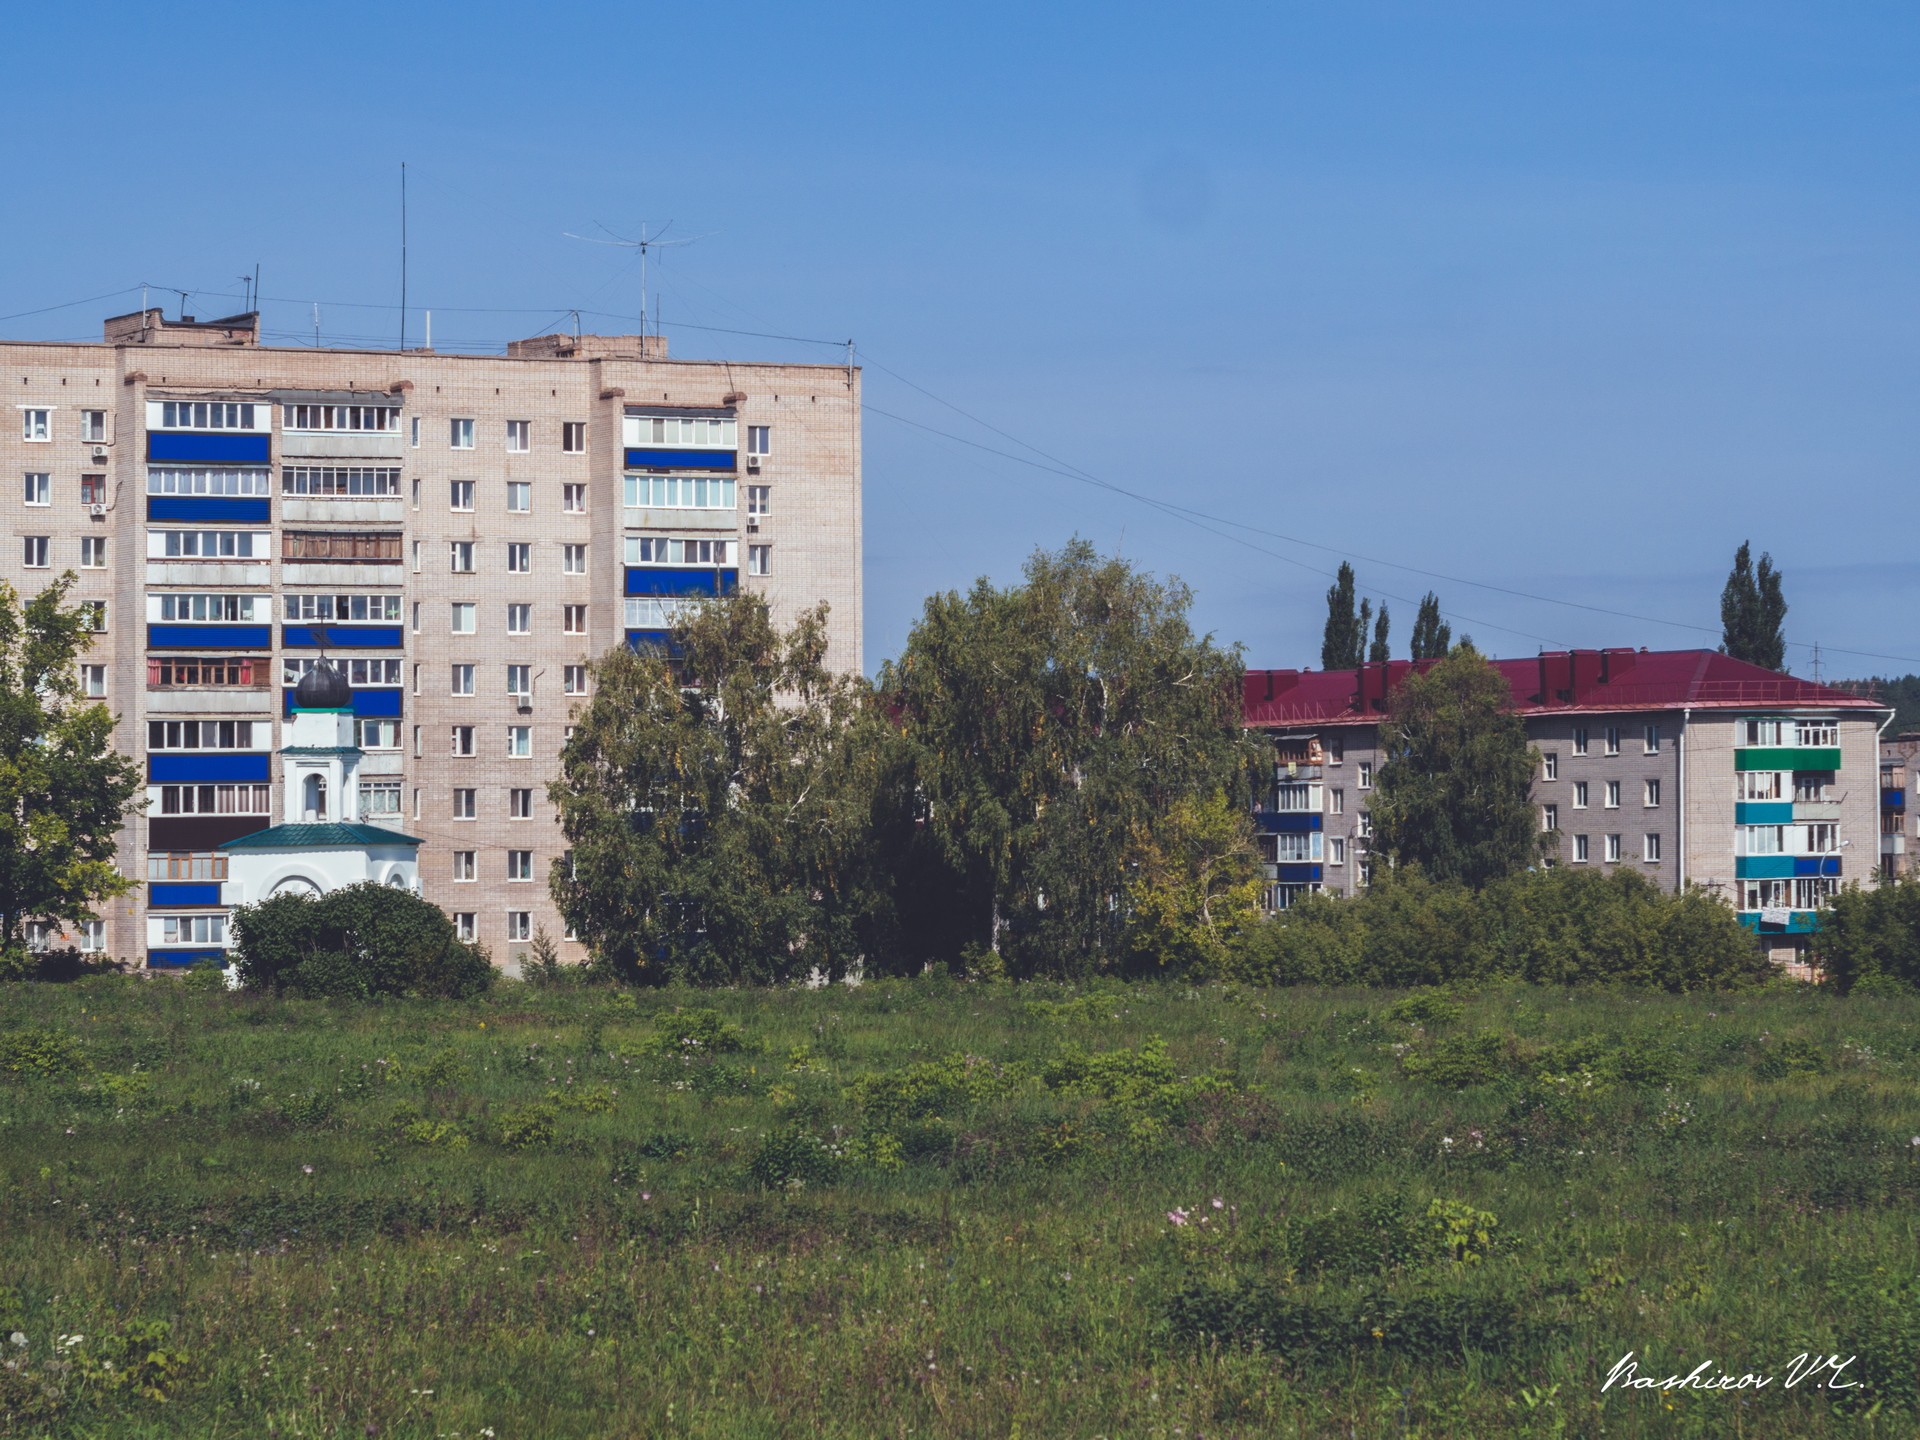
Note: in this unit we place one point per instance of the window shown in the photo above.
(1821, 839)
(460, 556)
(93, 681)
(759, 559)
(93, 936)
(1816, 733)
(93, 616)
(1549, 817)
(573, 559)
(519, 924)
(519, 741)
(93, 489)
(462, 680)
(1296, 798)
(520, 804)
(1759, 840)
(380, 419)
(519, 556)
(679, 492)
(1363, 775)
(379, 734)
(1579, 849)
(519, 496)
(379, 799)
(186, 865)
(416, 557)
(1580, 740)
(520, 681)
(1550, 766)
(518, 432)
(338, 545)
(1336, 749)
(1613, 850)
(1651, 799)
(36, 424)
(519, 865)
(204, 609)
(340, 482)
(460, 494)
(207, 544)
(1613, 739)
(682, 431)
(39, 488)
(463, 803)
(1337, 850)
(363, 609)
(193, 930)
(1650, 740)
(519, 619)
(1579, 794)
(214, 799)
(573, 437)
(757, 440)
(463, 865)
(417, 751)
(1813, 787)
(93, 424)
(465, 617)
(93, 552)
(1761, 784)
(1650, 849)
(206, 673)
(1812, 893)
(759, 500)
(415, 439)
(460, 434)
(416, 617)
(1336, 802)
(379, 670)
(1295, 848)
(462, 740)
(573, 619)
(1363, 825)
(463, 925)
(169, 481)
(200, 734)
(575, 679)
(573, 499)
(1613, 795)
(36, 549)
(650, 612)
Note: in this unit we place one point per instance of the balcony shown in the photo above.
(1893, 799)
(1798, 922)
(1893, 844)
(1786, 757)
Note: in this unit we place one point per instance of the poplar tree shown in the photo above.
(1431, 634)
(64, 790)
(1753, 611)
(1380, 650)
(1341, 640)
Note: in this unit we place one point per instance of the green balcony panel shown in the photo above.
(1801, 922)
(1763, 812)
(1763, 867)
(1786, 757)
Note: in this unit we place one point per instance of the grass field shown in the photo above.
(927, 1208)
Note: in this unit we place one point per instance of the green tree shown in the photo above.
(1195, 886)
(1452, 795)
(720, 799)
(1871, 934)
(64, 790)
(1047, 724)
(1753, 611)
(1345, 631)
(362, 940)
(1380, 649)
(1432, 636)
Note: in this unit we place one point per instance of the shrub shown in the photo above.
(40, 1052)
(1462, 1061)
(361, 941)
(1871, 937)
(526, 1127)
(681, 1031)
(792, 1159)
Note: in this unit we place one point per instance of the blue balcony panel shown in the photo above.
(1295, 872)
(1893, 799)
(1287, 822)
(1816, 865)
(343, 637)
(1763, 812)
(209, 637)
(681, 459)
(208, 449)
(642, 580)
(207, 509)
(207, 768)
(200, 896)
(369, 702)
(651, 640)
(181, 959)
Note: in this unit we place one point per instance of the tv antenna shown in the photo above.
(644, 244)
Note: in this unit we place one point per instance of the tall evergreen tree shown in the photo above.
(1453, 795)
(64, 789)
(1345, 632)
(1432, 636)
(1380, 650)
(1753, 611)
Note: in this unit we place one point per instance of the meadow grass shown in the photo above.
(932, 1208)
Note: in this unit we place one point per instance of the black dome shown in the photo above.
(323, 688)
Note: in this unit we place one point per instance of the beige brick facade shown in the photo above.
(812, 528)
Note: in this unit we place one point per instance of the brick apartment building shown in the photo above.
(462, 534)
(1686, 766)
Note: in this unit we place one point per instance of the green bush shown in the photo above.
(359, 942)
(40, 1052)
(792, 1159)
(1871, 938)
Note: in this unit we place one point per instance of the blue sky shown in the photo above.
(1564, 299)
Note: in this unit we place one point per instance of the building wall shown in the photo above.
(812, 471)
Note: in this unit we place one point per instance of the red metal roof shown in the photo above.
(1554, 682)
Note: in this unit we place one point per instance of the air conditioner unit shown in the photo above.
(98, 512)
(525, 705)
(753, 462)
(99, 452)
(753, 524)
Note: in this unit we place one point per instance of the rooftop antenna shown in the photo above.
(643, 245)
(246, 287)
(403, 254)
(1816, 662)
(183, 294)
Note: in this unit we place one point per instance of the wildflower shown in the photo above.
(1218, 1203)
(17, 1338)
(1916, 1140)
(306, 1169)
(646, 1194)
(1176, 1217)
